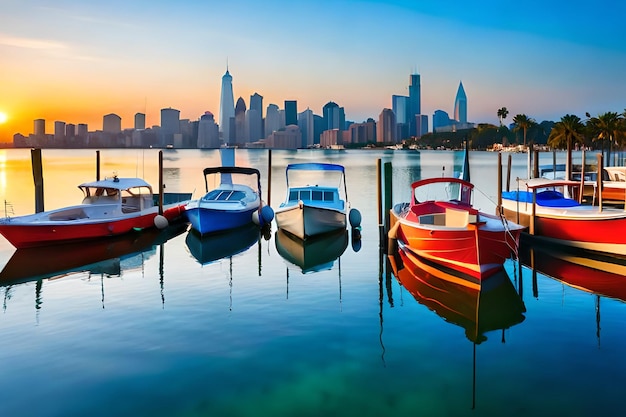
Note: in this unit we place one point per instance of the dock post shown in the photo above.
(536, 165)
(599, 181)
(161, 185)
(35, 155)
(269, 177)
(499, 208)
(380, 204)
(388, 194)
(97, 165)
(508, 172)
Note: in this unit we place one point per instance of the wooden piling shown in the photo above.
(161, 185)
(97, 165)
(269, 177)
(536, 165)
(599, 181)
(499, 208)
(388, 193)
(35, 155)
(379, 198)
(508, 172)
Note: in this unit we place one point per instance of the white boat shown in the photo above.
(316, 201)
(110, 207)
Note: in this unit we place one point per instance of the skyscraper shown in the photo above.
(254, 118)
(291, 112)
(240, 122)
(227, 106)
(334, 116)
(140, 121)
(460, 105)
(170, 125)
(415, 102)
(386, 127)
(272, 119)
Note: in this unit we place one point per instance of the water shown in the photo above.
(167, 330)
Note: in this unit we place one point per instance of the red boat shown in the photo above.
(553, 217)
(110, 207)
(441, 226)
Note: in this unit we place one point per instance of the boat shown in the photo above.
(552, 215)
(494, 305)
(315, 203)
(94, 256)
(315, 254)
(112, 206)
(441, 226)
(230, 203)
(213, 247)
(591, 272)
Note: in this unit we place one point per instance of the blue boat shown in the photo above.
(230, 204)
(316, 202)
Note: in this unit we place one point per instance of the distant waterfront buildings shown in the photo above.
(112, 123)
(415, 102)
(40, 127)
(272, 119)
(291, 112)
(170, 126)
(208, 132)
(59, 131)
(140, 121)
(240, 122)
(386, 129)
(289, 137)
(254, 118)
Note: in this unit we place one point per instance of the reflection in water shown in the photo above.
(212, 247)
(494, 306)
(314, 254)
(599, 274)
(109, 256)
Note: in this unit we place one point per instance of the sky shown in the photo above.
(75, 61)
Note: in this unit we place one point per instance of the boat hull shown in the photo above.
(27, 234)
(206, 220)
(305, 221)
(475, 250)
(591, 229)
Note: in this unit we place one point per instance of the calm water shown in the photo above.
(163, 328)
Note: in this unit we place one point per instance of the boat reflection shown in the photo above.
(317, 253)
(212, 247)
(103, 256)
(592, 272)
(496, 305)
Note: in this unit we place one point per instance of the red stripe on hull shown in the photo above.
(597, 231)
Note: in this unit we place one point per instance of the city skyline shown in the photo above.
(543, 60)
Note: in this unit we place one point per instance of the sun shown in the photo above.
(3, 117)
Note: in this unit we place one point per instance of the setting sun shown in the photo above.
(3, 117)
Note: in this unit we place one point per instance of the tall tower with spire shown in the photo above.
(460, 105)
(227, 106)
(415, 103)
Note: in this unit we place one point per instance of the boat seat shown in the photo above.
(457, 218)
(67, 215)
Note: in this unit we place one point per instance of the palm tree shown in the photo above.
(564, 133)
(502, 113)
(524, 123)
(608, 126)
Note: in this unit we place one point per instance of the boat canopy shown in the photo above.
(116, 183)
(226, 174)
(315, 166)
(442, 189)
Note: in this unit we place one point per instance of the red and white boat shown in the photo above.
(110, 207)
(440, 226)
(551, 216)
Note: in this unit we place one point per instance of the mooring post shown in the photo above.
(97, 165)
(379, 198)
(508, 172)
(35, 155)
(388, 194)
(161, 185)
(269, 177)
(499, 176)
(536, 165)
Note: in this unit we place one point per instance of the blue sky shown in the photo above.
(76, 61)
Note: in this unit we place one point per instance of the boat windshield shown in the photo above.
(443, 191)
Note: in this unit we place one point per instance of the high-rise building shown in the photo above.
(400, 107)
(440, 119)
(82, 131)
(59, 130)
(40, 127)
(363, 132)
(227, 106)
(140, 121)
(334, 116)
(307, 127)
(386, 127)
(208, 132)
(111, 123)
(255, 118)
(291, 112)
(170, 126)
(272, 119)
(415, 102)
(460, 105)
(240, 122)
